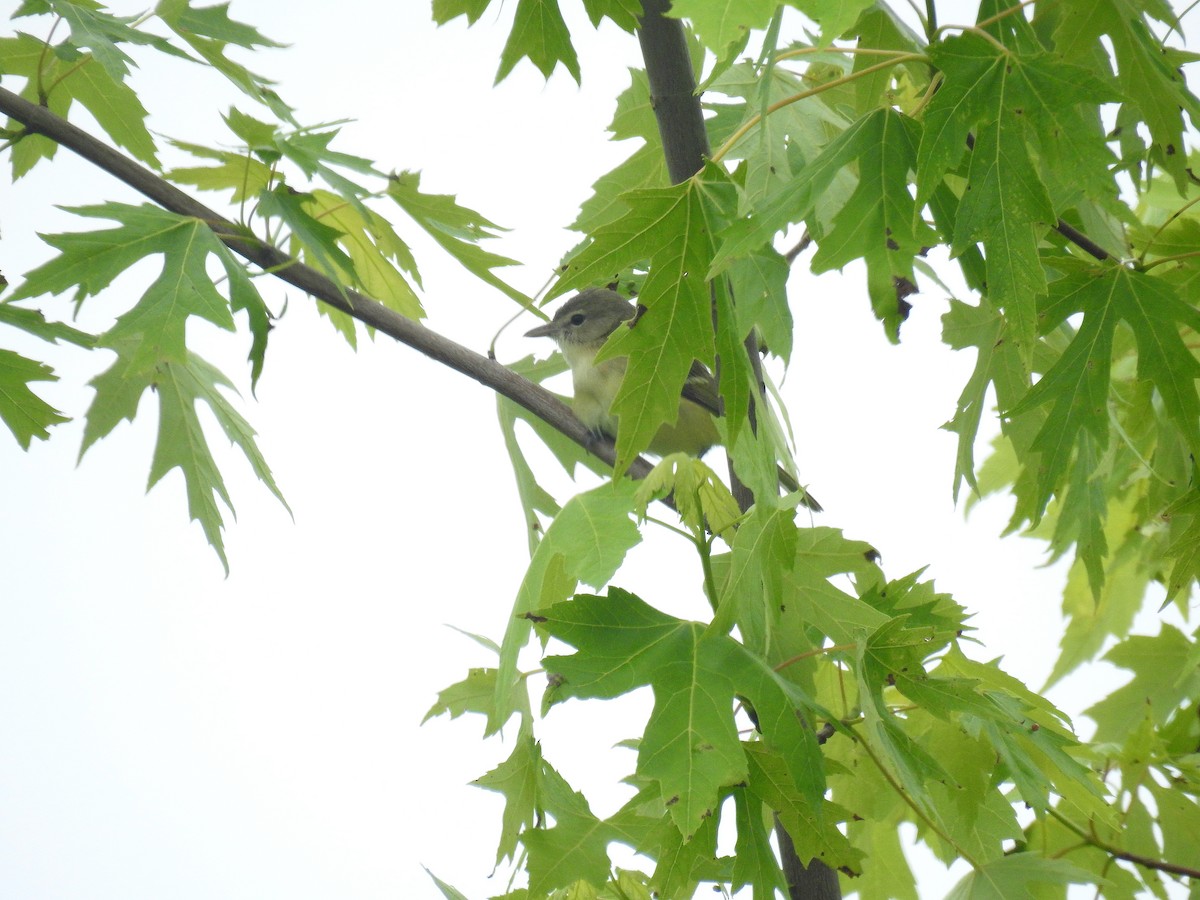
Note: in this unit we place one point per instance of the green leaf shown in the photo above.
(997, 364)
(115, 106)
(449, 892)
(540, 34)
(181, 442)
(209, 31)
(880, 223)
(1003, 203)
(456, 229)
(575, 848)
(834, 16)
(238, 172)
(101, 32)
(1179, 817)
(690, 747)
(1185, 544)
(1150, 83)
(673, 229)
(313, 241)
(586, 543)
(26, 414)
(754, 861)
(796, 199)
(1165, 675)
(719, 23)
(1098, 614)
(150, 341)
(763, 550)
(1019, 876)
(473, 694)
(376, 252)
(33, 322)
(702, 500)
(518, 779)
(445, 10)
(759, 282)
(811, 826)
(214, 22)
(1077, 385)
(624, 13)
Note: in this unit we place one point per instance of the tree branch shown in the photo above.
(685, 146)
(487, 372)
(1149, 862)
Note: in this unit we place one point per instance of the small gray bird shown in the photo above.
(580, 327)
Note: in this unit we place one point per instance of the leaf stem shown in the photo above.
(1191, 254)
(978, 32)
(1128, 441)
(704, 548)
(64, 75)
(42, 60)
(854, 51)
(804, 95)
(1160, 865)
(1003, 14)
(935, 82)
(832, 648)
(667, 525)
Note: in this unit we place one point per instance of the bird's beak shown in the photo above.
(546, 330)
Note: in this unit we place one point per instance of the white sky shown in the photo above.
(168, 732)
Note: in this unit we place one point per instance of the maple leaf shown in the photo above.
(150, 341)
(1076, 387)
(880, 223)
(725, 22)
(446, 10)
(1015, 876)
(82, 79)
(26, 414)
(809, 827)
(1165, 676)
(517, 778)
(586, 543)
(94, 29)
(575, 848)
(539, 34)
(1150, 83)
(691, 747)
(457, 230)
(209, 30)
(998, 102)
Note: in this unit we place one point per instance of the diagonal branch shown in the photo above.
(437, 347)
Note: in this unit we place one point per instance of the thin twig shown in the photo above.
(1160, 865)
(1081, 240)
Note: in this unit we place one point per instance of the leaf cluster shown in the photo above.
(1044, 148)
(288, 187)
(995, 140)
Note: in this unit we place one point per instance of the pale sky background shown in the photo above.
(166, 731)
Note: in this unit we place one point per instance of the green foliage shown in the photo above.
(1043, 147)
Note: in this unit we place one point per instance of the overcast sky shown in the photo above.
(166, 731)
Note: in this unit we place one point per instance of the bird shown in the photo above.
(580, 327)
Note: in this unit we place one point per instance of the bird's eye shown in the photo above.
(578, 319)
